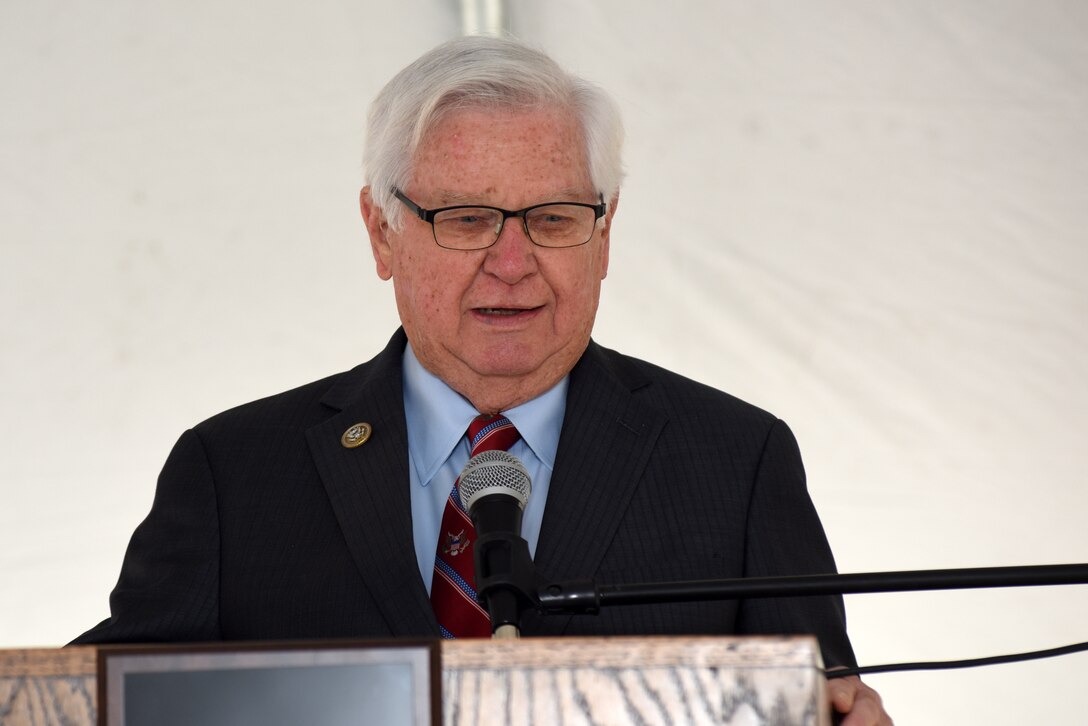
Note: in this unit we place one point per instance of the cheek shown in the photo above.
(431, 287)
(577, 293)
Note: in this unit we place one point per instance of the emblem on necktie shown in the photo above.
(455, 543)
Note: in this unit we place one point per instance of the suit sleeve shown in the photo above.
(784, 537)
(169, 584)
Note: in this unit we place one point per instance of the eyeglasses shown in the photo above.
(473, 227)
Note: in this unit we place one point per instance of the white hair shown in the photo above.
(487, 72)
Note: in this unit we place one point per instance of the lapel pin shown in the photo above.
(357, 435)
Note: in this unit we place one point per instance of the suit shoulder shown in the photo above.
(677, 395)
(299, 406)
(311, 403)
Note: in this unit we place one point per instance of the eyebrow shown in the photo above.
(452, 198)
(448, 197)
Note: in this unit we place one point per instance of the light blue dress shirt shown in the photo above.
(438, 418)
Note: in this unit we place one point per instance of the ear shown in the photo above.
(606, 233)
(378, 229)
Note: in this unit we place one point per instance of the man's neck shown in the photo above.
(496, 392)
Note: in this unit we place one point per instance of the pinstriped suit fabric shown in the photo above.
(265, 527)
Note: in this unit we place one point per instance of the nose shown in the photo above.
(513, 256)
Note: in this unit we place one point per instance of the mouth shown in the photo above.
(504, 311)
(505, 315)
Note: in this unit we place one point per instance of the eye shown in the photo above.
(553, 218)
(466, 220)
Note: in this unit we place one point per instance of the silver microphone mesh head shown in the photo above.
(494, 472)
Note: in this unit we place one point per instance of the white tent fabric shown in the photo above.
(867, 217)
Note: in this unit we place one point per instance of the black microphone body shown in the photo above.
(501, 556)
(494, 488)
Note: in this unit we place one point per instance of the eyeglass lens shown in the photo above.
(553, 225)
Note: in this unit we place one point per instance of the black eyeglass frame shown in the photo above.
(428, 215)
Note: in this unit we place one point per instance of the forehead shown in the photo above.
(502, 155)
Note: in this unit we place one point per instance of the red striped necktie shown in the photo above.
(453, 587)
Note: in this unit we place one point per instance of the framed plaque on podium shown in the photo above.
(336, 683)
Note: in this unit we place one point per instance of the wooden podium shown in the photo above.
(529, 682)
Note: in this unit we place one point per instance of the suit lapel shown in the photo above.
(605, 444)
(368, 488)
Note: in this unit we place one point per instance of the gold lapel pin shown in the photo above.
(357, 435)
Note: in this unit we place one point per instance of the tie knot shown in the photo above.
(491, 433)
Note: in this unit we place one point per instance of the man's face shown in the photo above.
(503, 324)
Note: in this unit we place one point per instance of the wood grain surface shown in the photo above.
(567, 681)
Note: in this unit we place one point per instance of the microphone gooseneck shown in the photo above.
(494, 489)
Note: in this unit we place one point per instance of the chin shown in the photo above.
(508, 360)
(506, 367)
(525, 360)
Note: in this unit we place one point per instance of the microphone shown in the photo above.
(494, 488)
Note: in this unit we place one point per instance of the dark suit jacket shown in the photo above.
(265, 527)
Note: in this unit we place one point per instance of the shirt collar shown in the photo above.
(438, 417)
(540, 420)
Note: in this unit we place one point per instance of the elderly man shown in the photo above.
(328, 510)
